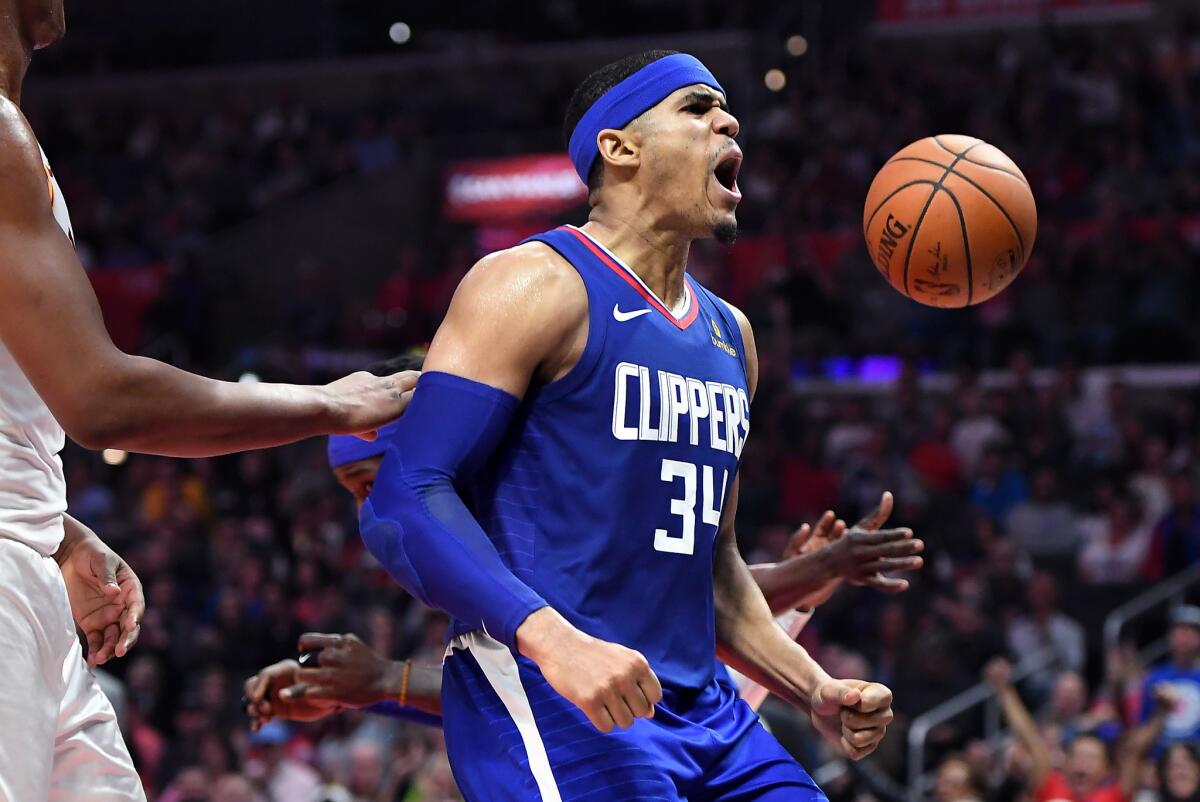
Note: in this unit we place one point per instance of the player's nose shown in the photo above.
(725, 123)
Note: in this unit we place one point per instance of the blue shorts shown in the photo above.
(512, 738)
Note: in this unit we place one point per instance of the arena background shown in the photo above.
(290, 190)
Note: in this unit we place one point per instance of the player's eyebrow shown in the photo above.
(699, 97)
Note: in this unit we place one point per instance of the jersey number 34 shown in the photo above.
(685, 508)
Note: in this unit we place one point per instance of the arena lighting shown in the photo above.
(249, 378)
(775, 80)
(399, 32)
(114, 456)
(797, 45)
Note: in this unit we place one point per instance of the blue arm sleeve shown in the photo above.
(416, 524)
(394, 710)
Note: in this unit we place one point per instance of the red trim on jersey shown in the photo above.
(633, 282)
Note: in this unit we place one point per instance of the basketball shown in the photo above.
(950, 221)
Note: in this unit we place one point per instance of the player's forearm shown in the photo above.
(417, 525)
(749, 640)
(787, 585)
(147, 406)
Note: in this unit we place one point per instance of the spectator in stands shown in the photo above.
(1044, 525)
(957, 781)
(1176, 540)
(1089, 772)
(1181, 676)
(1043, 626)
(998, 486)
(974, 431)
(1179, 774)
(1115, 545)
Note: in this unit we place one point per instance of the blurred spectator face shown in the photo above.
(1122, 516)
(192, 785)
(893, 624)
(1181, 772)
(1087, 764)
(1043, 597)
(1045, 485)
(366, 768)
(1183, 492)
(992, 464)
(1069, 697)
(969, 403)
(358, 478)
(954, 782)
(1184, 642)
(232, 788)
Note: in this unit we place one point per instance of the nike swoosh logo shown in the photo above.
(621, 317)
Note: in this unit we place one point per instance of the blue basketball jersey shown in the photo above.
(606, 493)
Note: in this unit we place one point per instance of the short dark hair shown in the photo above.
(386, 367)
(595, 85)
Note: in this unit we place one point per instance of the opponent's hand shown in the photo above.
(611, 684)
(852, 715)
(106, 597)
(347, 673)
(362, 402)
(263, 700)
(865, 552)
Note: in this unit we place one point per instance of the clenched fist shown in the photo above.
(852, 715)
(611, 684)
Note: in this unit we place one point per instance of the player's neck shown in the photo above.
(658, 257)
(15, 54)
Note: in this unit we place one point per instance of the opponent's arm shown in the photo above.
(516, 315)
(851, 714)
(51, 322)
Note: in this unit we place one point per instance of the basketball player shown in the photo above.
(59, 370)
(348, 673)
(590, 402)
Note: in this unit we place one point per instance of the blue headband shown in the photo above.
(346, 448)
(626, 101)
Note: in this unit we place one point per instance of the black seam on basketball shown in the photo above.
(1004, 170)
(917, 227)
(956, 156)
(891, 195)
(962, 155)
(962, 221)
(982, 191)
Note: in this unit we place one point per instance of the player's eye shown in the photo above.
(699, 109)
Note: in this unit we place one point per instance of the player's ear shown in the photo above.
(619, 148)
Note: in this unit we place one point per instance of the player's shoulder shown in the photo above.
(530, 277)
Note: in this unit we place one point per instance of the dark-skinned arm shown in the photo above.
(104, 398)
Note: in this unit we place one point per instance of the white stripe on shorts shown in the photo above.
(502, 673)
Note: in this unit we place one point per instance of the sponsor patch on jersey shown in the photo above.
(718, 339)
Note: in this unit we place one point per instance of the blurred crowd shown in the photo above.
(1043, 504)
(1106, 125)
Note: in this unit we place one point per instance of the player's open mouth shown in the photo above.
(726, 173)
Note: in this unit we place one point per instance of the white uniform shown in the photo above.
(61, 741)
